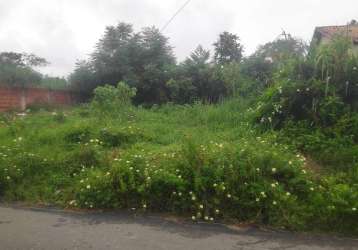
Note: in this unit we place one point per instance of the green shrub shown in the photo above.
(77, 134)
(202, 161)
(95, 190)
(81, 158)
(115, 137)
(109, 100)
(59, 117)
(213, 181)
(332, 146)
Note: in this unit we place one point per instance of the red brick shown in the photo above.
(12, 97)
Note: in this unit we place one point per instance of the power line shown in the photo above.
(176, 13)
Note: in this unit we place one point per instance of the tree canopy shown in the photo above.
(139, 58)
(228, 48)
(18, 68)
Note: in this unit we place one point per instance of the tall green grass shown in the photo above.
(207, 162)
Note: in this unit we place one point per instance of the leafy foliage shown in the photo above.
(17, 69)
(203, 161)
(228, 48)
(282, 151)
(145, 61)
(108, 100)
(140, 59)
(312, 102)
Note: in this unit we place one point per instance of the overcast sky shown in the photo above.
(63, 31)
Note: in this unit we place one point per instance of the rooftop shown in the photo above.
(350, 30)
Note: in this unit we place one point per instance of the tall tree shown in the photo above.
(22, 59)
(281, 49)
(18, 68)
(197, 68)
(140, 59)
(110, 59)
(83, 79)
(228, 48)
(200, 56)
(197, 79)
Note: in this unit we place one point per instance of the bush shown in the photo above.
(81, 158)
(203, 161)
(77, 134)
(115, 137)
(212, 181)
(109, 100)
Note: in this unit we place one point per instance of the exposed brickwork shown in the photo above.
(20, 98)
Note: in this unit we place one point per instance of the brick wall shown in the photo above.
(20, 98)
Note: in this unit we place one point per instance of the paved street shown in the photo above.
(22, 228)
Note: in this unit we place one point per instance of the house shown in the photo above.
(323, 35)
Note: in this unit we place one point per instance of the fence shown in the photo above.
(20, 98)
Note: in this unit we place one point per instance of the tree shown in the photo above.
(197, 79)
(152, 71)
(273, 56)
(258, 69)
(22, 59)
(228, 48)
(83, 79)
(17, 68)
(110, 60)
(282, 49)
(140, 59)
(156, 48)
(197, 68)
(199, 57)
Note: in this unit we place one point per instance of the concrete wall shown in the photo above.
(19, 98)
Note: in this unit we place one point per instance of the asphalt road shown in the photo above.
(25, 228)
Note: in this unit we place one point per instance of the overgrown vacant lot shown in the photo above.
(206, 162)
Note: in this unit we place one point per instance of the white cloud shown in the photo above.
(64, 30)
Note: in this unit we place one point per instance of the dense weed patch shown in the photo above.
(206, 162)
